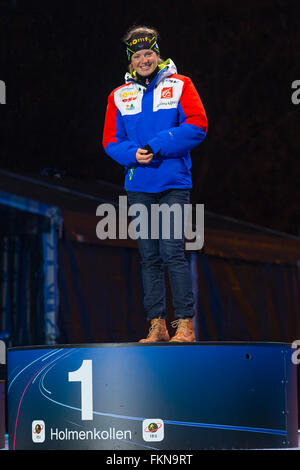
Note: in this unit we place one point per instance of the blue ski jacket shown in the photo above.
(168, 115)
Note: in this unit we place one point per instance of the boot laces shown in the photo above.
(154, 325)
(175, 323)
(179, 322)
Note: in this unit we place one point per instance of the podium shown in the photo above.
(134, 396)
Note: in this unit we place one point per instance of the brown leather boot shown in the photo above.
(185, 331)
(158, 332)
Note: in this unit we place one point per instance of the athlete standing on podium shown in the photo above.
(152, 122)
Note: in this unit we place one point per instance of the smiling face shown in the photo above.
(144, 62)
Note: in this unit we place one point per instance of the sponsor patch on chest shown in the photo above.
(129, 100)
(167, 94)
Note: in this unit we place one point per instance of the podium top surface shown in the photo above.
(143, 345)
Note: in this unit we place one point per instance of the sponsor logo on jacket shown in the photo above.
(129, 100)
(167, 97)
(167, 92)
(128, 95)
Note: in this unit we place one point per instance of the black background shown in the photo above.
(60, 60)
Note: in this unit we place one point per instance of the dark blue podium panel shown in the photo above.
(135, 396)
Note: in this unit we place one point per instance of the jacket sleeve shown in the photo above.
(192, 129)
(115, 141)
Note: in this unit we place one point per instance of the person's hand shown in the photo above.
(143, 156)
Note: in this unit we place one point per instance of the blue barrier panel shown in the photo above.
(135, 396)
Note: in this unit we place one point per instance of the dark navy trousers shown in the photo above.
(165, 251)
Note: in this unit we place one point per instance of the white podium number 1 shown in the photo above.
(84, 375)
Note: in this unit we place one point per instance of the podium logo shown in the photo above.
(38, 431)
(153, 430)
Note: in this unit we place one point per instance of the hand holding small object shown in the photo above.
(143, 156)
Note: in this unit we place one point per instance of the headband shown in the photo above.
(147, 41)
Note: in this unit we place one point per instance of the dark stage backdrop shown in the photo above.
(100, 293)
(246, 291)
(61, 59)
